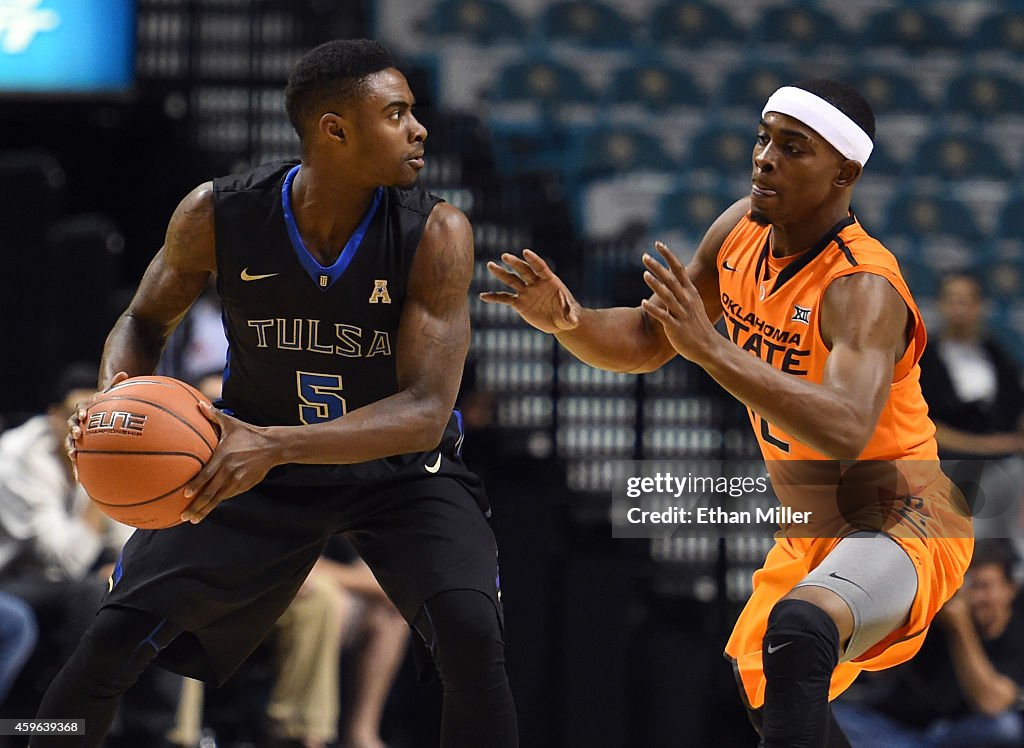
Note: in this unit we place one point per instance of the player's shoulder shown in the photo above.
(721, 228)
(259, 178)
(863, 248)
(415, 199)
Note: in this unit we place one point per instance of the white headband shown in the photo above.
(842, 132)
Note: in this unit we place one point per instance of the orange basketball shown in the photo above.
(142, 441)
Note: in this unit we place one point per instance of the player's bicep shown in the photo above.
(864, 322)
(179, 271)
(434, 333)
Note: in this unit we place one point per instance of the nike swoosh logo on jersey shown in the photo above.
(727, 266)
(773, 650)
(435, 467)
(247, 277)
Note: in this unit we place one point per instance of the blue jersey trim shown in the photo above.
(462, 432)
(316, 271)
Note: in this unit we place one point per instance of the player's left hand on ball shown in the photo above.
(240, 461)
(678, 306)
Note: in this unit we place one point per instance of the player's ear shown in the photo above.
(849, 172)
(332, 126)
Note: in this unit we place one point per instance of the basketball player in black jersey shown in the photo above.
(344, 290)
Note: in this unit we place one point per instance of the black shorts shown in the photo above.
(226, 580)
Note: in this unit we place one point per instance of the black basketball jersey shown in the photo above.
(308, 343)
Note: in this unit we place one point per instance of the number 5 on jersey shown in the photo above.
(319, 397)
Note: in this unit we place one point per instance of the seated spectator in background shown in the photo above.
(964, 687)
(376, 635)
(56, 552)
(976, 399)
(18, 634)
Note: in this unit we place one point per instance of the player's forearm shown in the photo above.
(824, 418)
(618, 339)
(986, 689)
(133, 346)
(399, 424)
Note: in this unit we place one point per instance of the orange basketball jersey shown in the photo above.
(772, 307)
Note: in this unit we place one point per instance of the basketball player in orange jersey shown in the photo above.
(824, 340)
(344, 289)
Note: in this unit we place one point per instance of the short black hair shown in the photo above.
(962, 274)
(998, 551)
(80, 375)
(844, 98)
(331, 73)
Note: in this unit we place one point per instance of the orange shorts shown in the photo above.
(940, 556)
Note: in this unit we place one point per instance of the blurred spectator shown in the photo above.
(198, 345)
(375, 633)
(964, 687)
(56, 552)
(976, 399)
(18, 634)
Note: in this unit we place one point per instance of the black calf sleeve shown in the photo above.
(800, 651)
(113, 653)
(461, 629)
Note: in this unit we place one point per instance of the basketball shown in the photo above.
(142, 441)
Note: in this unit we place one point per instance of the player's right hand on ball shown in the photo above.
(78, 416)
(540, 296)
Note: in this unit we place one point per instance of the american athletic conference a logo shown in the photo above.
(21, 21)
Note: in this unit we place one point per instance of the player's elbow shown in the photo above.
(429, 426)
(848, 443)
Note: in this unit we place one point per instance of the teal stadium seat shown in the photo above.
(724, 148)
(656, 86)
(1009, 240)
(544, 88)
(965, 156)
(891, 93)
(922, 216)
(689, 210)
(605, 151)
(586, 23)
(985, 95)
(883, 163)
(692, 25)
(908, 29)
(480, 21)
(1000, 32)
(546, 82)
(750, 85)
(802, 26)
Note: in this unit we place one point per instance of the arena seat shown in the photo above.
(803, 25)
(907, 28)
(479, 21)
(961, 156)
(586, 23)
(656, 86)
(891, 92)
(984, 94)
(692, 25)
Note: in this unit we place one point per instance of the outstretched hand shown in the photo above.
(540, 296)
(679, 307)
